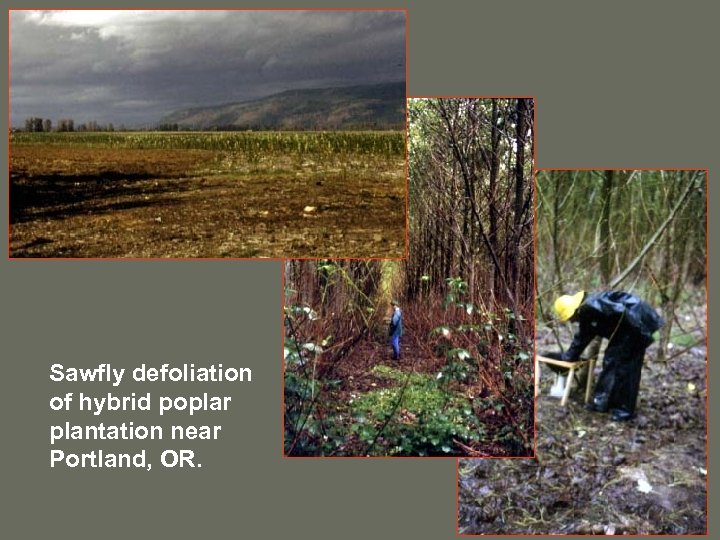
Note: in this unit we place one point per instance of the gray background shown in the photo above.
(617, 84)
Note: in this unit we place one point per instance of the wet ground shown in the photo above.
(595, 476)
(69, 201)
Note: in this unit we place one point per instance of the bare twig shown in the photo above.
(654, 238)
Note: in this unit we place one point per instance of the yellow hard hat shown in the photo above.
(566, 305)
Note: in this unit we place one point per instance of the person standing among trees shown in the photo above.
(628, 324)
(396, 329)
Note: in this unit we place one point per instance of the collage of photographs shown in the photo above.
(442, 296)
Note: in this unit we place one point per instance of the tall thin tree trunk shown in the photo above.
(522, 109)
(494, 166)
(605, 259)
(555, 237)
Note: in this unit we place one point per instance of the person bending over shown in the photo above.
(628, 323)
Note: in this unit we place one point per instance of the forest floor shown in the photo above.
(595, 476)
(379, 406)
(72, 201)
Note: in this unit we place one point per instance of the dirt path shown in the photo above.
(370, 353)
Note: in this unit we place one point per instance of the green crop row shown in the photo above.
(262, 142)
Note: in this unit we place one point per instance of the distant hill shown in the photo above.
(379, 106)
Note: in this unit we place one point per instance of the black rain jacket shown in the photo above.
(613, 315)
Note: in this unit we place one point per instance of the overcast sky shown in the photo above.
(133, 67)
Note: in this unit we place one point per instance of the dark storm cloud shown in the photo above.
(134, 66)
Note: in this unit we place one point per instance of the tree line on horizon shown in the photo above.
(45, 125)
(35, 124)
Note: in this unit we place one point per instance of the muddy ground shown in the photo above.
(594, 476)
(71, 201)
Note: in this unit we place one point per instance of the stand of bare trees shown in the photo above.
(463, 385)
(643, 231)
(471, 199)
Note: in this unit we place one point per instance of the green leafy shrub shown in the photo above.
(426, 422)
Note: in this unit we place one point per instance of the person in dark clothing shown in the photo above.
(628, 324)
(395, 330)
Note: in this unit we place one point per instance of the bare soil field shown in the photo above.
(95, 200)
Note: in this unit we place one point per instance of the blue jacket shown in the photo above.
(396, 326)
